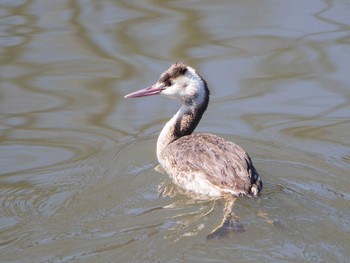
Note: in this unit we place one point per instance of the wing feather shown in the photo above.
(223, 164)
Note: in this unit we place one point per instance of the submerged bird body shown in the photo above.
(199, 163)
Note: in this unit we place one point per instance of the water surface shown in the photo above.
(77, 178)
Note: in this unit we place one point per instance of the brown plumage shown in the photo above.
(203, 164)
(225, 165)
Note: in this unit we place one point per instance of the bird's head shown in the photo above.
(179, 82)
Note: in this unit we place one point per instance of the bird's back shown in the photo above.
(209, 165)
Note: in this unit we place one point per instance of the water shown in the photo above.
(77, 159)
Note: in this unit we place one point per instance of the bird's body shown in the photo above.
(199, 163)
(208, 165)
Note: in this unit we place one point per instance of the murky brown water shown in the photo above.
(77, 160)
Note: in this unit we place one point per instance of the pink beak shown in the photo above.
(150, 91)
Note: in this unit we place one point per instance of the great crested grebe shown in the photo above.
(199, 163)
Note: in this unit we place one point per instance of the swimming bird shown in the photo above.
(199, 163)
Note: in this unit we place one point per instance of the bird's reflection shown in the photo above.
(229, 225)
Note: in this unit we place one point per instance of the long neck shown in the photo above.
(181, 124)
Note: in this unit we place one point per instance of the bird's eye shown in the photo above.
(168, 83)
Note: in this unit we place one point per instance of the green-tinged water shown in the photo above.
(77, 178)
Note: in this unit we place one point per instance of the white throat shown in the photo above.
(166, 135)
